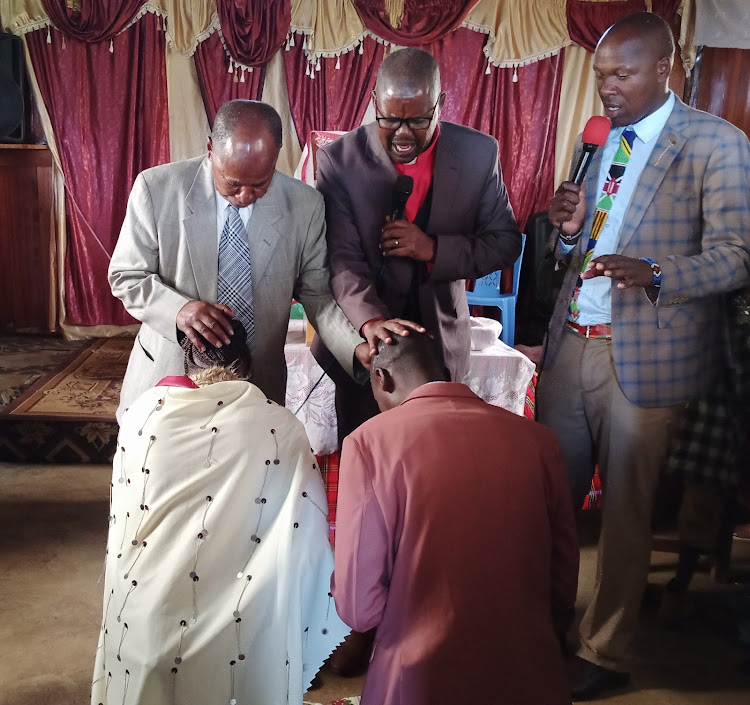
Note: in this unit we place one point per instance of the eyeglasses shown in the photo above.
(415, 123)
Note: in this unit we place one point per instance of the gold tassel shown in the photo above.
(394, 10)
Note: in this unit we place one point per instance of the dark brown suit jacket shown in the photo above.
(470, 217)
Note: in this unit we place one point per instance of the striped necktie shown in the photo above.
(604, 206)
(235, 282)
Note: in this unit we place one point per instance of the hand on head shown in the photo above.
(203, 322)
(403, 365)
(381, 330)
(235, 355)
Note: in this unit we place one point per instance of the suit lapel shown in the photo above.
(200, 232)
(445, 178)
(382, 173)
(667, 147)
(262, 234)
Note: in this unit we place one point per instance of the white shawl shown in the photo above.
(218, 564)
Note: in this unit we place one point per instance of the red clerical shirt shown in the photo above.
(421, 171)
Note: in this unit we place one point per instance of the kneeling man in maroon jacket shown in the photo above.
(456, 539)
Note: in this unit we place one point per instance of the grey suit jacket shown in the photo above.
(690, 211)
(470, 218)
(167, 255)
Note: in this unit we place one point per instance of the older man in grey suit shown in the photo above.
(211, 238)
(658, 233)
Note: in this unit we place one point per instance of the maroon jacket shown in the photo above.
(456, 539)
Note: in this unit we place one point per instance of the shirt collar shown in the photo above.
(429, 152)
(649, 127)
(222, 204)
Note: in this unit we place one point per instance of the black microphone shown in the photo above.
(400, 195)
(594, 136)
(401, 191)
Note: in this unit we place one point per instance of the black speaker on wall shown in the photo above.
(12, 78)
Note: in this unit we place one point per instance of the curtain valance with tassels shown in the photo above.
(519, 32)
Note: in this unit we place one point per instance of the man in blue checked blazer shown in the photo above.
(659, 231)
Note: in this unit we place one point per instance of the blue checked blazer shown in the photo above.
(690, 211)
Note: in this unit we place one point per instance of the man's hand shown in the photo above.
(626, 271)
(401, 238)
(378, 330)
(211, 321)
(567, 209)
(362, 353)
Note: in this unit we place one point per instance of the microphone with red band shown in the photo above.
(594, 136)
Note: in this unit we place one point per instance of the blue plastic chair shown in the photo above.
(487, 293)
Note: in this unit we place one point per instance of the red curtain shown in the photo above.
(254, 31)
(423, 21)
(109, 115)
(521, 115)
(95, 20)
(587, 21)
(523, 118)
(336, 99)
(217, 84)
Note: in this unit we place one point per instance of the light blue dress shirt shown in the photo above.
(595, 299)
(222, 214)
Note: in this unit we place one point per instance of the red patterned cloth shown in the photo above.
(529, 407)
(329, 469)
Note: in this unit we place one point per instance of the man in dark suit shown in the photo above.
(658, 233)
(458, 225)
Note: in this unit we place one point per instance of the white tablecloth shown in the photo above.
(498, 374)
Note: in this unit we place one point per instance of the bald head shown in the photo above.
(245, 117)
(243, 149)
(407, 73)
(646, 28)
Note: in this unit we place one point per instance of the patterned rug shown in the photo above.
(68, 414)
(26, 358)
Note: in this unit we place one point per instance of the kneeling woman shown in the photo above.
(218, 564)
